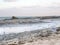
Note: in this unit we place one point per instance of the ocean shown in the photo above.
(16, 28)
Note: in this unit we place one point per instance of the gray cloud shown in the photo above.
(10, 0)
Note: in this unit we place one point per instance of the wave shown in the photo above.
(29, 27)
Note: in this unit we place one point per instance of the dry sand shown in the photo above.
(52, 40)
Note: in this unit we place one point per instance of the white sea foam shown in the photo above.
(29, 27)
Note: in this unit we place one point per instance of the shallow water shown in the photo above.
(29, 27)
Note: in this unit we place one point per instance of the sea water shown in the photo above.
(16, 28)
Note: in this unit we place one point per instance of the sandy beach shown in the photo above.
(52, 40)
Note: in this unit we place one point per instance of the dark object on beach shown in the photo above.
(13, 17)
(45, 33)
(21, 42)
(58, 30)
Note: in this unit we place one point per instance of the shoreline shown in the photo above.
(32, 37)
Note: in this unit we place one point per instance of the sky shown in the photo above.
(29, 7)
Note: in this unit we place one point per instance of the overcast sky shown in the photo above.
(29, 7)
